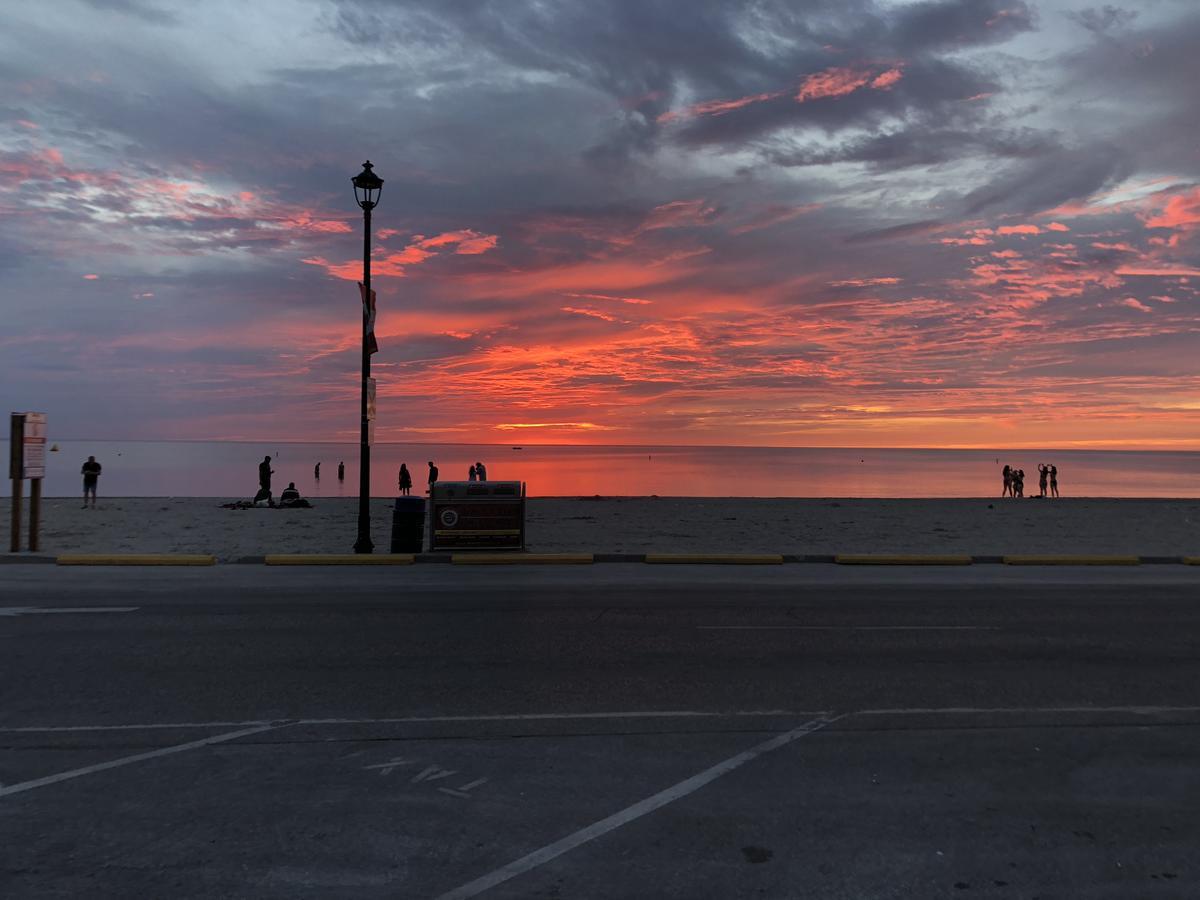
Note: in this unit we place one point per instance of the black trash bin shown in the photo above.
(408, 525)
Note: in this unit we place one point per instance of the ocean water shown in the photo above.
(228, 469)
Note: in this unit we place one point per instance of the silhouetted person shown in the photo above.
(91, 475)
(317, 471)
(264, 474)
(1054, 481)
(1007, 481)
(405, 479)
(1043, 475)
(433, 474)
(481, 471)
(1019, 483)
(289, 494)
(471, 474)
(341, 471)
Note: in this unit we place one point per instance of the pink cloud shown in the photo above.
(1134, 303)
(465, 241)
(1057, 226)
(1166, 271)
(1018, 229)
(716, 107)
(1180, 211)
(90, 277)
(679, 214)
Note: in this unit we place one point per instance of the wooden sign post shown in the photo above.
(27, 459)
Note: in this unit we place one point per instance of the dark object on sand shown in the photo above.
(408, 525)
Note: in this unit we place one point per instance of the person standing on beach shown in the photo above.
(471, 474)
(1007, 481)
(91, 475)
(317, 471)
(1043, 474)
(481, 471)
(1018, 485)
(341, 471)
(264, 474)
(433, 474)
(1054, 481)
(405, 479)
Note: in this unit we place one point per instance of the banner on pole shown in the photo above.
(369, 315)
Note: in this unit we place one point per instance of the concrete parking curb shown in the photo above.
(26, 559)
(1072, 560)
(137, 559)
(1191, 560)
(519, 559)
(339, 559)
(718, 559)
(862, 559)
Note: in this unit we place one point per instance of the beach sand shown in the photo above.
(650, 524)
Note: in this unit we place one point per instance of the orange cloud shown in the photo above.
(394, 264)
(841, 80)
(1166, 271)
(1180, 211)
(716, 107)
(1018, 229)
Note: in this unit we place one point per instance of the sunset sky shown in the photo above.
(809, 223)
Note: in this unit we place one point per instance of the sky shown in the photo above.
(952, 223)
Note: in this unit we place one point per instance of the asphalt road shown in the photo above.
(607, 731)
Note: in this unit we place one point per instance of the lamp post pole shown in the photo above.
(367, 187)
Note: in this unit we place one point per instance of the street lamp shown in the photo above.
(367, 188)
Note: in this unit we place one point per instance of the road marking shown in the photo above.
(848, 627)
(387, 767)
(433, 773)
(29, 729)
(629, 814)
(551, 717)
(128, 760)
(461, 790)
(425, 720)
(44, 610)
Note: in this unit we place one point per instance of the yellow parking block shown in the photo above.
(1071, 561)
(516, 559)
(136, 559)
(867, 559)
(339, 559)
(1191, 560)
(721, 559)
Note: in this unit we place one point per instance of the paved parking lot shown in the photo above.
(558, 735)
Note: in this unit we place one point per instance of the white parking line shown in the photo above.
(424, 720)
(629, 814)
(127, 760)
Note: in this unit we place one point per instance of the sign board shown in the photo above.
(33, 462)
(27, 446)
(469, 515)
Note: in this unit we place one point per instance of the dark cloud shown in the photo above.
(1050, 180)
(1103, 19)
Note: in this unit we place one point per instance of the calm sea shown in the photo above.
(226, 469)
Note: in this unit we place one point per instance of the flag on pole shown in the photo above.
(369, 313)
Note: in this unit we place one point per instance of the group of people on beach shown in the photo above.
(289, 497)
(477, 472)
(1014, 481)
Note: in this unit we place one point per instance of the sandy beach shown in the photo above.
(642, 524)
